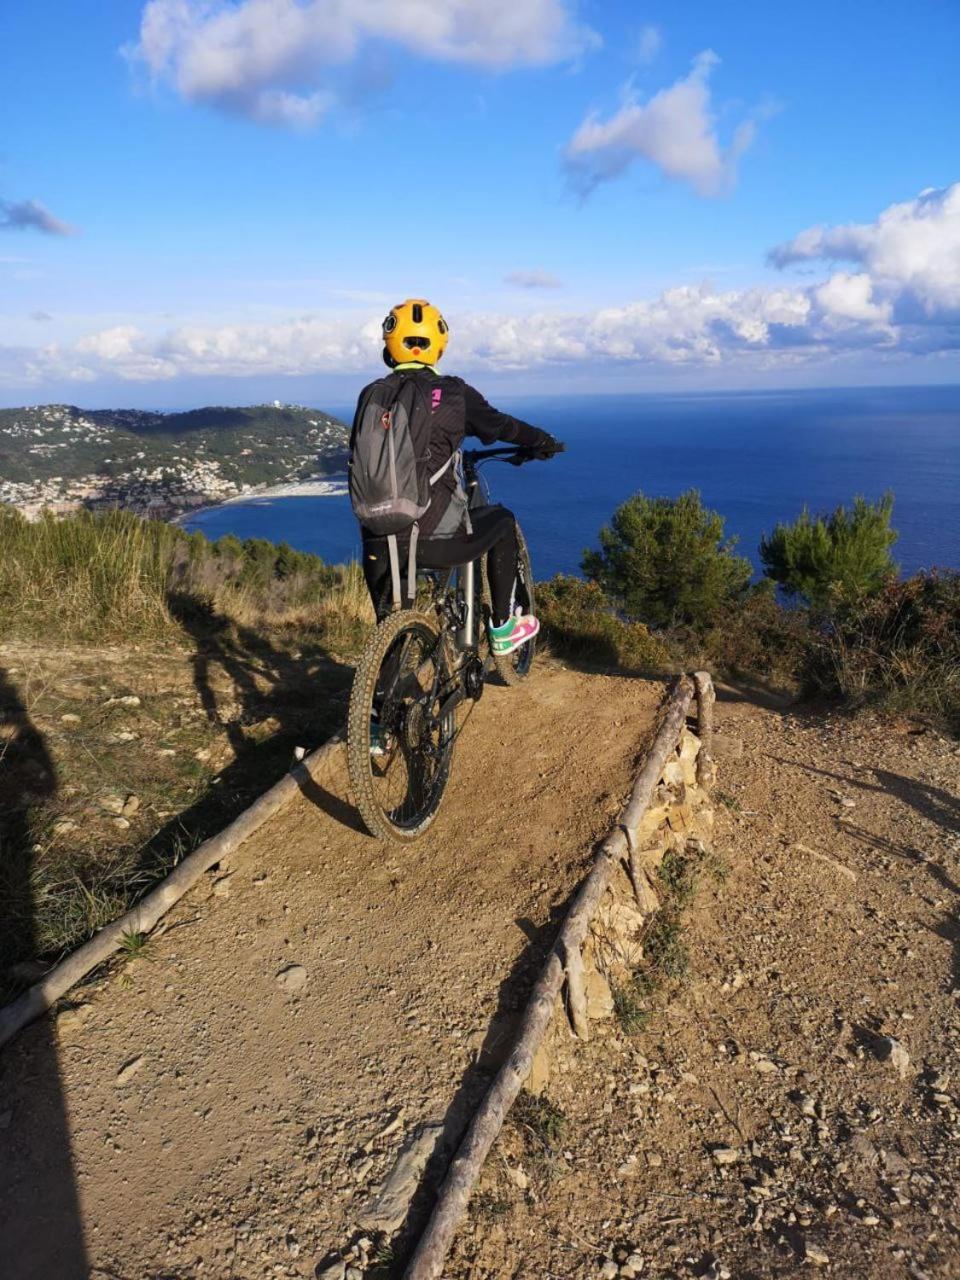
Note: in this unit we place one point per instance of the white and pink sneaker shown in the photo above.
(514, 633)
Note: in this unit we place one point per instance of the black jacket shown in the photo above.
(461, 410)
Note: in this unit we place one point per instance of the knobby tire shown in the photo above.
(379, 820)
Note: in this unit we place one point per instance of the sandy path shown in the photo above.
(835, 926)
(242, 1141)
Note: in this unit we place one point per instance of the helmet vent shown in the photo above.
(417, 313)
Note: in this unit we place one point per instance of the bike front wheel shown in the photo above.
(399, 743)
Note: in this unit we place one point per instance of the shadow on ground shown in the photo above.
(40, 1229)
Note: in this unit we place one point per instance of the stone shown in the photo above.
(689, 745)
(69, 1020)
(334, 1271)
(725, 1155)
(122, 824)
(892, 1051)
(111, 803)
(673, 773)
(70, 718)
(598, 993)
(130, 1069)
(633, 1265)
(518, 1177)
(292, 979)
(130, 806)
(539, 1076)
(609, 1270)
(64, 827)
(221, 886)
(815, 1256)
(128, 700)
(388, 1208)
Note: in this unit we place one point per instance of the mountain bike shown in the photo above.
(419, 667)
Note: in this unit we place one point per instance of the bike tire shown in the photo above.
(513, 668)
(407, 821)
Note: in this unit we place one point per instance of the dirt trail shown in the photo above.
(222, 1124)
(835, 929)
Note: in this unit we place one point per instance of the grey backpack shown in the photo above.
(390, 478)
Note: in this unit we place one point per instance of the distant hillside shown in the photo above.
(159, 463)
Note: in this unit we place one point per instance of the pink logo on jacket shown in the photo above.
(435, 397)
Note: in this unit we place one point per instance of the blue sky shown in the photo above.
(219, 201)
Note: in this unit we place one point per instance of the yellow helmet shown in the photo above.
(414, 330)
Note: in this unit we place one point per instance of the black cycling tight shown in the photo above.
(494, 533)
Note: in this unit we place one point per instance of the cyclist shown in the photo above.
(415, 337)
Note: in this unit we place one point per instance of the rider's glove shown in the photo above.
(547, 447)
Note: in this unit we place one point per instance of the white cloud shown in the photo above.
(31, 215)
(649, 44)
(910, 255)
(533, 279)
(276, 60)
(675, 131)
(904, 302)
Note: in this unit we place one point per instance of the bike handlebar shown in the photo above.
(516, 454)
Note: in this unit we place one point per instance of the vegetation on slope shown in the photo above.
(152, 684)
(261, 444)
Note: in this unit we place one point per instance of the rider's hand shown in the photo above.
(547, 447)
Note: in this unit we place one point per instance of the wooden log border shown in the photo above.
(144, 916)
(564, 959)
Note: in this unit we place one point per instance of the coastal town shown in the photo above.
(58, 458)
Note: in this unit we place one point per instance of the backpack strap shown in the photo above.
(412, 564)
(437, 474)
(393, 548)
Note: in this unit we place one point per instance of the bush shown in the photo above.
(757, 639)
(665, 561)
(580, 622)
(825, 558)
(898, 650)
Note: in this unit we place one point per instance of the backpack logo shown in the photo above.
(435, 397)
(386, 419)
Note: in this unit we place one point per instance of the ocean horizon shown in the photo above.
(756, 457)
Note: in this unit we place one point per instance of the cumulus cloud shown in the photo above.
(275, 60)
(31, 215)
(675, 131)
(535, 279)
(903, 301)
(910, 256)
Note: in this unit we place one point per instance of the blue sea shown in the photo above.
(755, 457)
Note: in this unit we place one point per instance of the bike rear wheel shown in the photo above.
(399, 747)
(514, 667)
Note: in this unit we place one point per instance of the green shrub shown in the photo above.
(898, 649)
(822, 558)
(580, 622)
(665, 561)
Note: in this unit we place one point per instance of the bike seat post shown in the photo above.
(466, 635)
